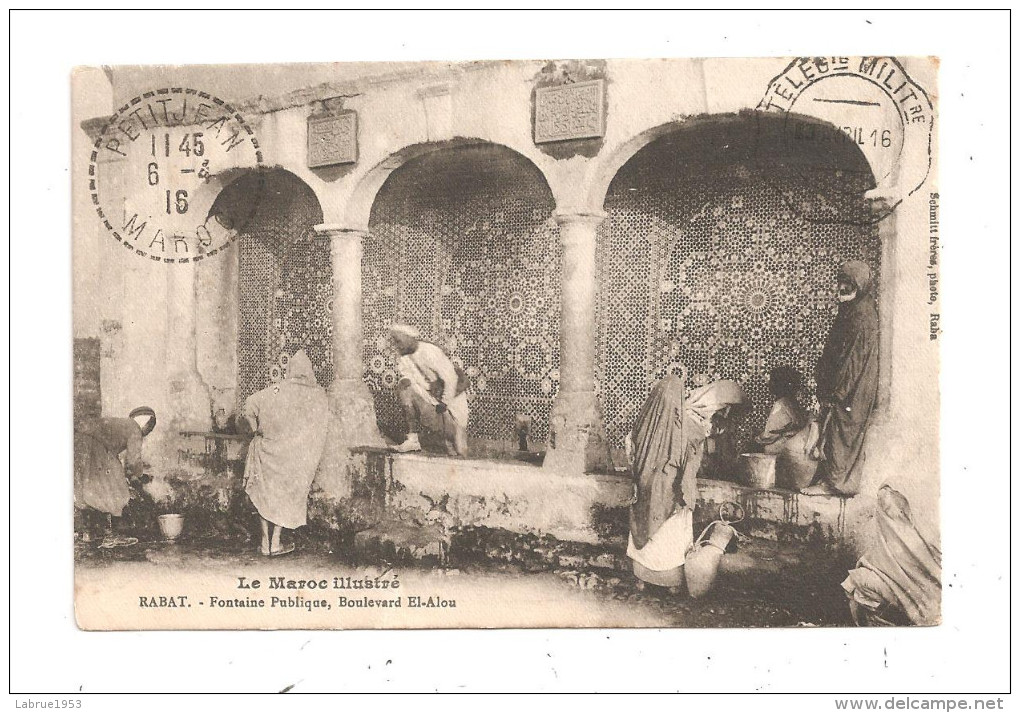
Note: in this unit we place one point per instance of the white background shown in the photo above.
(969, 653)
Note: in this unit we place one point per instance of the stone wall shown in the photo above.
(590, 508)
(421, 507)
(88, 400)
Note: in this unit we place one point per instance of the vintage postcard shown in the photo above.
(501, 344)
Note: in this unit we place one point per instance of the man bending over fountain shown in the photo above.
(432, 391)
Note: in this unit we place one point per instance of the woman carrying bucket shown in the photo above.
(667, 445)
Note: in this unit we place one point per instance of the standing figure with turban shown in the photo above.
(847, 379)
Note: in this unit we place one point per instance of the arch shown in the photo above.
(689, 212)
(359, 204)
(462, 245)
(246, 194)
(609, 166)
(284, 276)
(771, 136)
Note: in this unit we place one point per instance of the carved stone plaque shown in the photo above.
(332, 140)
(570, 111)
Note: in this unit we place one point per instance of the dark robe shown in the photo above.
(667, 455)
(847, 378)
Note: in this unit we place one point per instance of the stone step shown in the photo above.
(751, 559)
(397, 541)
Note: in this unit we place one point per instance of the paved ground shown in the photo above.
(762, 585)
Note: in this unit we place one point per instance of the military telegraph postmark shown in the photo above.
(172, 149)
(863, 107)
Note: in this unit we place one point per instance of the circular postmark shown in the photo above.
(158, 166)
(862, 119)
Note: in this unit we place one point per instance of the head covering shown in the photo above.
(145, 411)
(299, 369)
(659, 448)
(404, 329)
(858, 273)
(908, 569)
(785, 377)
(705, 402)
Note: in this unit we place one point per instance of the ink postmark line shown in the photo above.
(164, 150)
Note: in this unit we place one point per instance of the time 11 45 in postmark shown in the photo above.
(158, 166)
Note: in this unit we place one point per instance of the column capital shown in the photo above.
(880, 202)
(570, 216)
(334, 230)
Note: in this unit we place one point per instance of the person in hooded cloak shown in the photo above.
(899, 580)
(289, 420)
(667, 446)
(847, 380)
(101, 478)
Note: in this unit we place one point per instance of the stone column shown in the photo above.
(189, 400)
(886, 426)
(577, 441)
(353, 422)
(887, 286)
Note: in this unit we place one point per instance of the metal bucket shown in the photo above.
(759, 469)
(171, 526)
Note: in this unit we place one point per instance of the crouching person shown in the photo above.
(790, 432)
(289, 421)
(101, 479)
(432, 392)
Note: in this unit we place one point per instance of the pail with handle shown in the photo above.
(759, 469)
(701, 566)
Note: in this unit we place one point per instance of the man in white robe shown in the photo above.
(432, 392)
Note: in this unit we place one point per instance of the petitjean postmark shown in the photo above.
(174, 147)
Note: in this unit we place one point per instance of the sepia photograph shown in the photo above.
(509, 351)
(507, 344)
